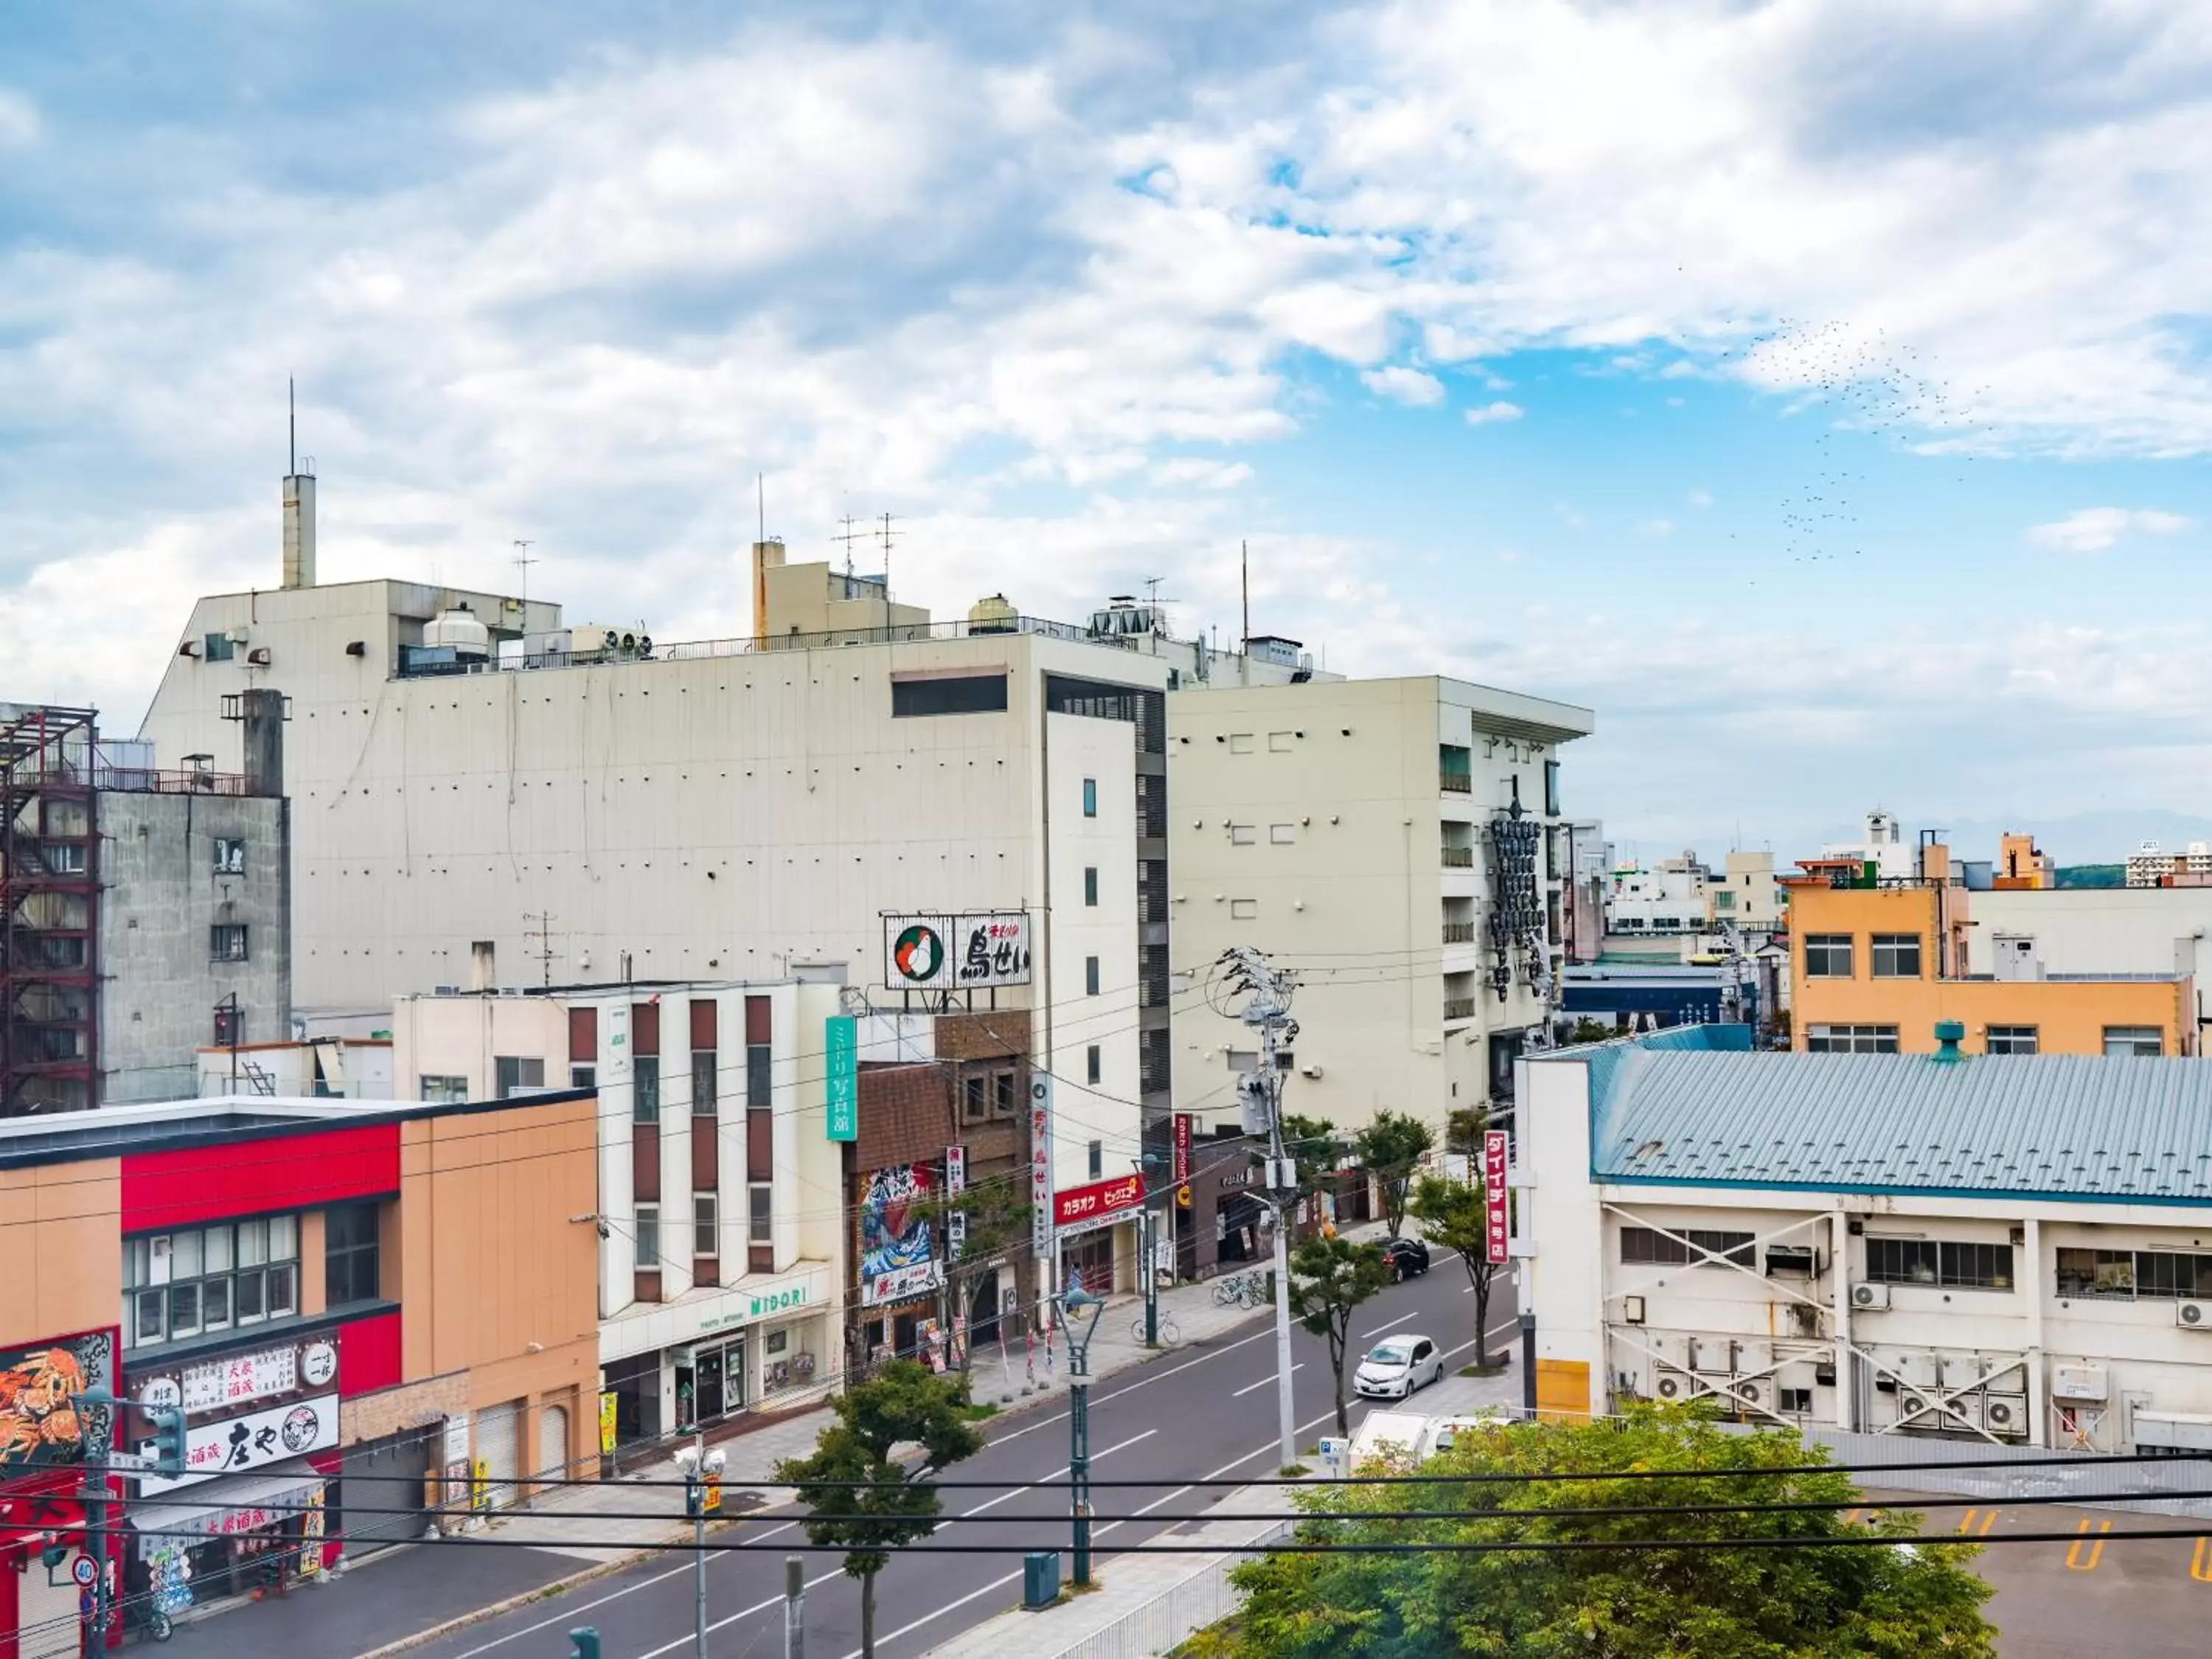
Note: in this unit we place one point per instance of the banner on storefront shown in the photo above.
(607, 1403)
(1182, 1147)
(901, 1282)
(1041, 1164)
(240, 1379)
(253, 1441)
(1099, 1203)
(956, 1168)
(39, 1425)
(1498, 1243)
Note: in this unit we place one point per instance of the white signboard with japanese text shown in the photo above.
(967, 953)
(902, 1282)
(238, 1445)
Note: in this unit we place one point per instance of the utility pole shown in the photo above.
(1267, 1012)
(794, 1607)
(702, 1495)
(1150, 1234)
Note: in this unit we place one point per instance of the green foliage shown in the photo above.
(1866, 1602)
(1453, 1214)
(1329, 1277)
(904, 1403)
(1389, 1148)
(1592, 1031)
(2093, 875)
(1315, 1146)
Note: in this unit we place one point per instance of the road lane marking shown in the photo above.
(1379, 1329)
(1058, 1474)
(2200, 1565)
(1976, 1522)
(1265, 1382)
(2093, 1544)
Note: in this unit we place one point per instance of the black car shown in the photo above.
(1406, 1257)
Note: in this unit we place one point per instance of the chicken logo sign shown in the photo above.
(918, 954)
(39, 1423)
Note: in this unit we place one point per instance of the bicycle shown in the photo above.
(1238, 1291)
(1169, 1332)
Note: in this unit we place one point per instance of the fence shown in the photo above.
(1205, 1597)
(1962, 1468)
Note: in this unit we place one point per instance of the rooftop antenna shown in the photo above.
(850, 536)
(292, 423)
(523, 562)
(887, 533)
(760, 485)
(1244, 563)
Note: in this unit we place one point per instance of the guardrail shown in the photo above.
(1207, 1597)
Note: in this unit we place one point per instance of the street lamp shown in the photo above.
(702, 1494)
(1075, 1302)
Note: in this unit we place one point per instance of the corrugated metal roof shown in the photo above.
(2081, 1125)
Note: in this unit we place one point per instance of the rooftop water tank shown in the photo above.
(991, 614)
(458, 629)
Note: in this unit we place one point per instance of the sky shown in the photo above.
(1821, 392)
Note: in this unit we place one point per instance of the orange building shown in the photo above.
(390, 1307)
(2022, 865)
(1876, 962)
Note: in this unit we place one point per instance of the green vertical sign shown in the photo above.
(841, 1044)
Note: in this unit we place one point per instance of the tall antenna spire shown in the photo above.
(523, 562)
(292, 424)
(887, 533)
(760, 483)
(1244, 577)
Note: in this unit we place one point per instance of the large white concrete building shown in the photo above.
(1398, 844)
(1668, 897)
(2007, 1249)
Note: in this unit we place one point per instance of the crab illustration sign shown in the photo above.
(974, 951)
(40, 1426)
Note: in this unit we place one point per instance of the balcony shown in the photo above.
(1459, 858)
(1455, 783)
(1458, 1008)
(1458, 933)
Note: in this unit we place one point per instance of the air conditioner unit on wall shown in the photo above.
(2193, 1315)
(1671, 1384)
(2080, 1381)
(1875, 1296)
(2005, 1413)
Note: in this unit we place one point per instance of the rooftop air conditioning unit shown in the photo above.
(1671, 1384)
(2005, 1413)
(445, 990)
(2196, 1315)
(1874, 1296)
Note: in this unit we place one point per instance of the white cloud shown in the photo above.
(1500, 410)
(1405, 385)
(1701, 498)
(19, 121)
(2093, 529)
(1655, 527)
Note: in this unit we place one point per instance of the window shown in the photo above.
(1282, 835)
(1828, 955)
(760, 1214)
(1667, 923)
(1788, 1400)
(1002, 1094)
(951, 694)
(1243, 834)
(1851, 1039)
(227, 1028)
(645, 1089)
(218, 647)
(177, 1285)
(1243, 1059)
(583, 1077)
(1648, 1244)
(349, 1254)
(647, 1229)
(1724, 899)
(2134, 1041)
(443, 1090)
(706, 1224)
(1896, 956)
(1097, 1159)
(1093, 1064)
(1551, 789)
(516, 1072)
(229, 855)
(226, 942)
(1091, 797)
(2011, 1040)
(1240, 743)
(1244, 909)
(1929, 1262)
(702, 1083)
(1090, 884)
(1091, 976)
(2124, 1275)
(974, 1097)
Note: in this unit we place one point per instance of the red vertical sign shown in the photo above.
(1497, 1225)
(1182, 1147)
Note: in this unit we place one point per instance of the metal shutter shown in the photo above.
(553, 1442)
(497, 1449)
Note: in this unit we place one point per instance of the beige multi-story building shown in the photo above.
(1745, 894)
(1397, 843)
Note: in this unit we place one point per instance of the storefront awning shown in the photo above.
(221, 1508)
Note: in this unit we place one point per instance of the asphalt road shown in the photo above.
(1204, 1412)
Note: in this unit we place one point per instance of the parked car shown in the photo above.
(1397, 1365)
(1388, 1436)
(1406, 1257)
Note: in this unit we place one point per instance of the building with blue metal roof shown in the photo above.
(2014, 1249)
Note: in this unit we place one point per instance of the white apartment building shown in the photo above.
(469, 773)
(1998, 1248)
(721, 1238)
(1398, 844)
(1882, 844)
(1669, 898)
(2150, 864)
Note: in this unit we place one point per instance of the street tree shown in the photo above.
(1456, 1216)
(1390, 1149)
(1329, 1277)
(995, 1214)
(863, 1500)
(1314, 1145)
(1857, 1599)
